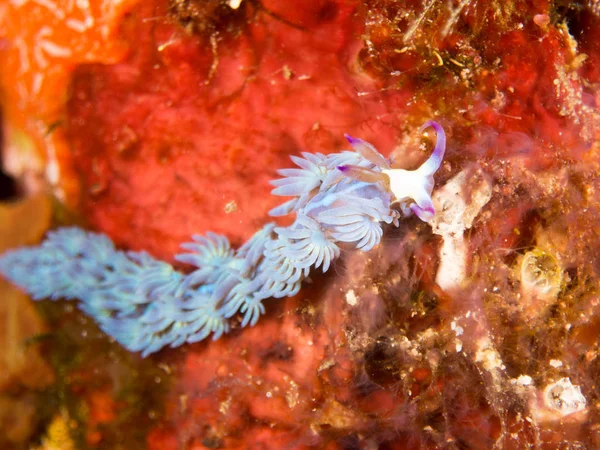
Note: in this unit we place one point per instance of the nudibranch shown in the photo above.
(410, 188)
(339, 200)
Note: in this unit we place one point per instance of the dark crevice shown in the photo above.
(8, 185)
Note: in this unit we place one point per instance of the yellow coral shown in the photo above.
(58, 435)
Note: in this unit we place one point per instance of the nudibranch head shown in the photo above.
(410, 188)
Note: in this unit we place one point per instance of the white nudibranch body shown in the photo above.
(410, 188)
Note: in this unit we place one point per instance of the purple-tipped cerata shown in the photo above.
(368, 152)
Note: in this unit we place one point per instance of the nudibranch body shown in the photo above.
(339, 199)
(411, 188)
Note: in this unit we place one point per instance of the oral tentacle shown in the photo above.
(434, 162)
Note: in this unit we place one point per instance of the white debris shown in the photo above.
(456, 328)
(524, 380)
(555, 363)
(457, 205)
(557, 402)
(234, 4)
(488, 356)
(351, 298)
(565, 398)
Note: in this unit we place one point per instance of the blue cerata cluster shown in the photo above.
(339, 199)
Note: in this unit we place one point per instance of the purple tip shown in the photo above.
(343, 168)
(425, 214)
(433, 124)
(352, 140)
